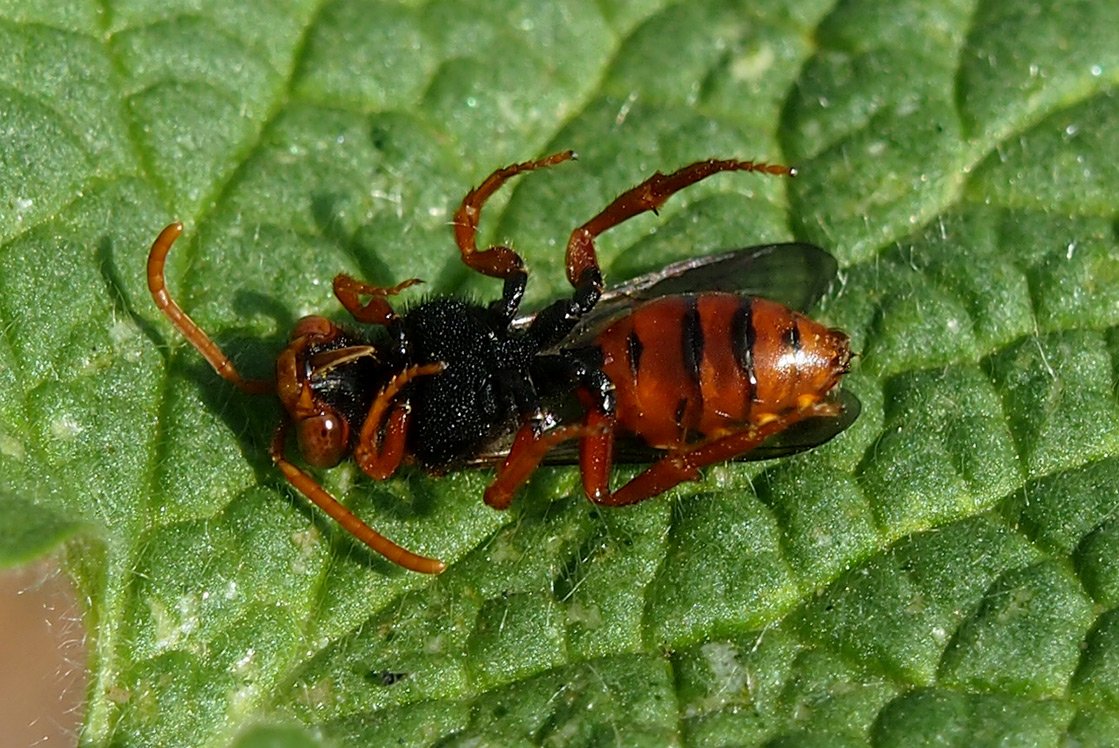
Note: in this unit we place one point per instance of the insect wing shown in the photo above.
(809, 434)
(793, 274)
(799, 437)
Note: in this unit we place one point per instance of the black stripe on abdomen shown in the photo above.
(792, 336)
(691, 340)
(634, 348)
(742, 337)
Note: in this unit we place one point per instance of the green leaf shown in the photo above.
(942, 573)
(31, 529)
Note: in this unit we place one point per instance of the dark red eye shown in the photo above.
(323, 439)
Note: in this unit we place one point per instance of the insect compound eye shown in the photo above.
(323, 439)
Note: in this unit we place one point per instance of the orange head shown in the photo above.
(315, 375)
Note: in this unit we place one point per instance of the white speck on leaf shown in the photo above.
(65, 427)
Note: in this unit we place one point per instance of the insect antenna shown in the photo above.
(157, 284)
(343, 516)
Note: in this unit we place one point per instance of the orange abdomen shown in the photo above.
(688, 368)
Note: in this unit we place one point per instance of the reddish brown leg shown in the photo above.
(526, 454)
(307, 486)
(649, 195)
(596, 454)
(157, 284)
(496, 262)
(674, 469)
(379, 456)
(374, 312)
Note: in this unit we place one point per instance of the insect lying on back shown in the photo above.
(682, 368)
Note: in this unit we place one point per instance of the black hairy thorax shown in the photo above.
(465, 405)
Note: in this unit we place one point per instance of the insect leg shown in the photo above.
(157, 285)
(528, 451)
(649, 195)
(676, 468)
(374, 312)
(553, 323)
(596, 451)
(496, 262)
(533, 442)
(380, 445)
(310, 488)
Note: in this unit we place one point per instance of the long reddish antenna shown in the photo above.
(343, 516)
(306, 485)
(157, 284)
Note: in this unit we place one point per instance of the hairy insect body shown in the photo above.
(679, 369)
(467, 404)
